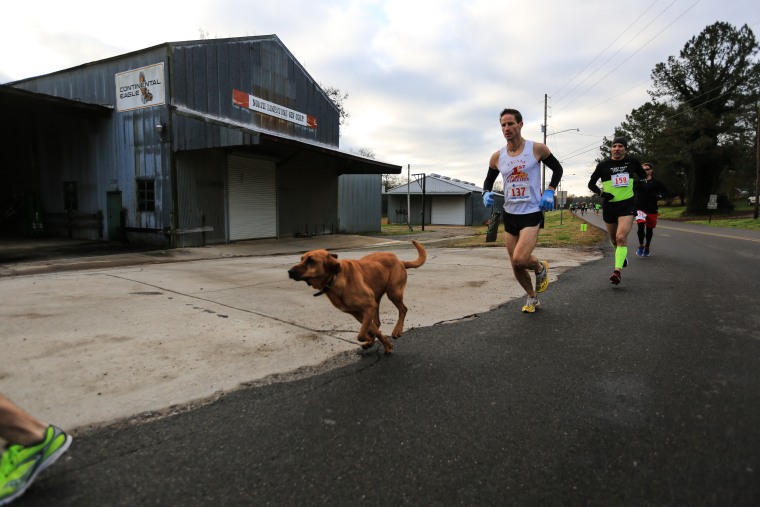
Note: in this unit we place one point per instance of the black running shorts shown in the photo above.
(513, 224)
(611, 211)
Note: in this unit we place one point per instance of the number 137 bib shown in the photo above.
(518, 191)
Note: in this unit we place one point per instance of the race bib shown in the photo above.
(640, 215)
(518, 191)
(620, 180)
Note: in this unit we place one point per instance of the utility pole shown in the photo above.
(417, 179)
(544, 127)
(757, 162)
(408, 197)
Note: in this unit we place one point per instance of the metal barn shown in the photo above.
(182, 144)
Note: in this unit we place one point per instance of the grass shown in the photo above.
(397, 230)
(741, 218)
(565, 231)
(555, 234)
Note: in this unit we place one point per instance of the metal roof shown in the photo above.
(437, 184)
(18, 98)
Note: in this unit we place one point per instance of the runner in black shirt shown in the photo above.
(648, 192)
(617, 174)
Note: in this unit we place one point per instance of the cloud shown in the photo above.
(426, 80)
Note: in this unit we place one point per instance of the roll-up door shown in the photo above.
(251, 198)
(447, 210)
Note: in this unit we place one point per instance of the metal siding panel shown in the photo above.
(200, 189)
(212, 77)
(359, 203)
(252, 198)
(178, 94)
(200, 79)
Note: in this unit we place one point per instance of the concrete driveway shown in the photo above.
(90, 341)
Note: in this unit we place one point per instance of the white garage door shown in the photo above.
(447, 210)
(251, 198)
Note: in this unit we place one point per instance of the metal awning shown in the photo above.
(17, 98)
(284, 146)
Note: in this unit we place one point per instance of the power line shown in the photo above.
(604, 50)
(634, 53)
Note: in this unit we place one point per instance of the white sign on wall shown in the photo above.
(260, 105)
(140, 88)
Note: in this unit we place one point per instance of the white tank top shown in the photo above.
(522, 180)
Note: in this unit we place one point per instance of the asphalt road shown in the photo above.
(646, 393)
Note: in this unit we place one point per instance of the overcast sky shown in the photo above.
(426, 79)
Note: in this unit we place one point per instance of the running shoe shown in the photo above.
(646, 252)
(615, 278)
(640, 251)
(20, 464)
(542, 279)
(531, 305)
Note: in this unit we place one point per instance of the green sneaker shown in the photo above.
(20, 465)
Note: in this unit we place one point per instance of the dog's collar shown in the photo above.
(327, 287)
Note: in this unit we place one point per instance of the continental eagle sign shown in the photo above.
(138, 88)
(243, 99)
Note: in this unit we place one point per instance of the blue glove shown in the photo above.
(547, 200)
(488, 199)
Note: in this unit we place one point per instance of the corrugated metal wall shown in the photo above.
(307, 188)
(200, 191)
(121, 149)
(359, 203)
(205, 74)
(396, 203)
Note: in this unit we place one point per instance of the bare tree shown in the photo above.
(205, 34)
(392, 181)
(364, 152)
(338, 97)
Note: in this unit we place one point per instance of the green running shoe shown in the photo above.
(20, 464)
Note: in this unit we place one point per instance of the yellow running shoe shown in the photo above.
(542, 279)
(531, 305)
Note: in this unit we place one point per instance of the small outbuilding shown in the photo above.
(439, 200)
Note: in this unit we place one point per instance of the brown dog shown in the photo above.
(356, 286)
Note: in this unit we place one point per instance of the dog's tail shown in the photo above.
(421, 257)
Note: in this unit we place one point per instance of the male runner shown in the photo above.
(648, 192)
(519, 164)
(617, 174)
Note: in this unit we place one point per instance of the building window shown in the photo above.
(70, 201)
(146, 195)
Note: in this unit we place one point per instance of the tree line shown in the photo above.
(699, 129)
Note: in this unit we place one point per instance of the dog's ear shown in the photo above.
(332, 264)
